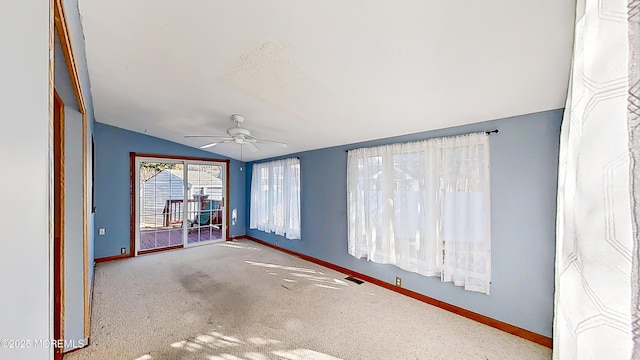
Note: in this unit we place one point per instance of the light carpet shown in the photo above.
(241, 300)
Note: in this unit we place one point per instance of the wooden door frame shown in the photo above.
(133, 197)
(59, 221)
(59, 24)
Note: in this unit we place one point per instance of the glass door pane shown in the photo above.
(160, 204)
(205, 212)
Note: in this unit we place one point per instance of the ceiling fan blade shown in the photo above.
(208, 145)
(281, 144)
(252, 147)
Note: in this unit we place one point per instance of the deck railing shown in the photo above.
(173, 210)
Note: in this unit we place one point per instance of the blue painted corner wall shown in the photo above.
(113, 146)
(524, 165)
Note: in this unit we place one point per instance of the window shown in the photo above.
(424, 207)
(275, 197)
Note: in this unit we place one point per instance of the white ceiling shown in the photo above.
(322, 73)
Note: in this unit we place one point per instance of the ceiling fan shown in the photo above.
(238, 135)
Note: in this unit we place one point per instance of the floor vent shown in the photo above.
(351, 278)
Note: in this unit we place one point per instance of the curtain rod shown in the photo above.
(488, 132)
(263, 161)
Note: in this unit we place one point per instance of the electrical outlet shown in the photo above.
(398, 281)
(123, 250)
(101, 231)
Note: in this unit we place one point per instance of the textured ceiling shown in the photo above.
(322, 73)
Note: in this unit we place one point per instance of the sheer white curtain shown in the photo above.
(597, 314)
(466, 211)
(424, 207)
(275, 197)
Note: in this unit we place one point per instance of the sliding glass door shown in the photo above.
(205, 214)
(161, 189)
(179, 203)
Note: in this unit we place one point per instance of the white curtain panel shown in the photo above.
(633, 116)
(465, 218)
(596, 310)
(424, 207)
(275, 197)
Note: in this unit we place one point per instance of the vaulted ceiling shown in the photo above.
(321, 73)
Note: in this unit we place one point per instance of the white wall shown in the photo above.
(25, 155)
(73, 230)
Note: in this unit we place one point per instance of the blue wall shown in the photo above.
(113, 146)
(524, 163)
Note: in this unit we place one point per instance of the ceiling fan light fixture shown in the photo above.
(237, 131)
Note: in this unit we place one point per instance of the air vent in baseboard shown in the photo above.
(351, 278)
